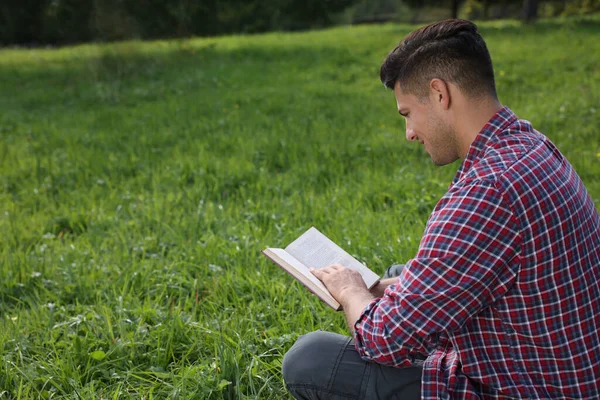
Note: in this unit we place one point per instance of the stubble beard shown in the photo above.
(443, 147)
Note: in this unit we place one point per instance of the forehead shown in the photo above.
(403, 99)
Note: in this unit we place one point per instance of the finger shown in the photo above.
(327, 270)
(316, 272)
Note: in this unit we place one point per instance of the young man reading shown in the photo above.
(502, 298)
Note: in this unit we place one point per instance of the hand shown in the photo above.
(379, 289)
(348, 287)
(341, 282)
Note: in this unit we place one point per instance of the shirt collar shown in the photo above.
(495, 125)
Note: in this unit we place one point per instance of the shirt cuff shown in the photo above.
(370, 347)
(359, 343)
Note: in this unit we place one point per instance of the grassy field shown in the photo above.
(139, 182)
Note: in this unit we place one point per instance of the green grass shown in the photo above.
(139, 181)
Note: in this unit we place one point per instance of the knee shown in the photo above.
(393, 271)
(303, 362)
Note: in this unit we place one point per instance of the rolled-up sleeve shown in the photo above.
(467, 259)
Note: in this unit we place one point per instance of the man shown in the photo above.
(502, 298)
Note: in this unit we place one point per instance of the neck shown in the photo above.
(472, 117)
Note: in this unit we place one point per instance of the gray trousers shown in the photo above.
(326, 365)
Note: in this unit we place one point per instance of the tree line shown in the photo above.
(58, 22)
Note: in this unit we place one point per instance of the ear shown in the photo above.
(439, 93)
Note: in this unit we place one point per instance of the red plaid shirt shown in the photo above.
(503, 296)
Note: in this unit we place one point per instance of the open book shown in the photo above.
(315, 250)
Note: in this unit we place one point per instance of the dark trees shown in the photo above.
(530, 10)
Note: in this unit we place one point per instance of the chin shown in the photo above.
(442, 161)
(439, 163)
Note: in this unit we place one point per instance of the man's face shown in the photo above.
(425, 123)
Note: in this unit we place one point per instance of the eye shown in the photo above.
(405, 115)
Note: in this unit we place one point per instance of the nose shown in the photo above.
(411, 136)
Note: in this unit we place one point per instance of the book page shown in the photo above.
(316, 250)
(299, 267)
(302, 274)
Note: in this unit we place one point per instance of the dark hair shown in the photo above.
(451, 50)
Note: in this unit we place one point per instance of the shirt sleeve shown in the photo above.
(468, 257)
